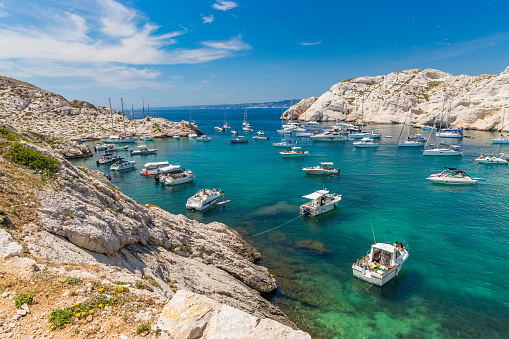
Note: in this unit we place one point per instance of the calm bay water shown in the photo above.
(455, 281)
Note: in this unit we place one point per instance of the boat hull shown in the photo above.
(178, 181)
(294, 155)
(312, 212)
(495, 162)
(282, 145)
(441, 152)
(358, 145)
(451, 181)
(500, 141)
(320, 171)
(375, 278)
(119, 141)
(410, 144)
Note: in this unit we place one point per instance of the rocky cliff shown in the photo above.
(475, 102)
(26, 107)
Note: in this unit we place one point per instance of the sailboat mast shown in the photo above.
(148, 111)
(132, 114)
(362, 110)
(410, 121)
(502, 127)
(441, 118)
(111, 114)
(143, 100)
(123, 116)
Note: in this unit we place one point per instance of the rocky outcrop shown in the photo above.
(475, 102)
(189, 315)
(72, 150)
(26, 107)
(299, 109)
(8, 247)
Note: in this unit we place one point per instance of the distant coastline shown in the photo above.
(270, 104)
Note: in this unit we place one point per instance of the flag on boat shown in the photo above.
(296, 142)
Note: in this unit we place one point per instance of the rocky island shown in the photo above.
(475, 102)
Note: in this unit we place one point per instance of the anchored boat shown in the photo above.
(177, 178)
(203, 138)
(295, 152)
(152, 168)
(261, 136)
(109, 158)
(491, 160)
(321, 201)
(203, 199)
(366, 143)
(239, 140)
(142, 149)
(452, 176)
(322, 169)
(122, 165)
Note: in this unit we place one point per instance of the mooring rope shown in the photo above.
(297, 217)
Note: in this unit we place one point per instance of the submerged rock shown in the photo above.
(312, 245)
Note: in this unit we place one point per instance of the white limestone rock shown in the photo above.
(8, 247)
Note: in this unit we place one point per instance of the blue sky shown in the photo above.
(214, 52)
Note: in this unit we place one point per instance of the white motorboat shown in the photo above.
(239, 140)
(177, 178)
(203, 137)
(152, 168)
(219, 128)
(304, 134)
(503, 139)
(116, 148)
(122, 165)
(452, 134)
(108, 159)
(102, 147)
(203, 199)
(330, 135)
(312, 122)
(444, 150)
(295, 152)
(321, 201)
(142, 149)
(345, 124)
(234, 131)
(360, 135)
(192, 135)
(283, 144)
(176, 135)
(261, 136)
(382, 263)
(452, 176)
(146, 137)
(165, 171)
(491, 160)
(115, 139)
(247, 128)
(366, 143)
(322, 169)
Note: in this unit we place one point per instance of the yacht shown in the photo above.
(366, 143)
(444, 150)
(320, 202)
(304, 134)
(323, 168)
(146, 137)
(176, 135)
(452, 176)
(177, 178)
(152, 168)
(203, 199)
(115, 139)
(382, 263)
(260, 136)
(122, 165)
(239, 140)
(491, 160)
(295, 152)
(192, 135)
(142, 149)
(203, 137)
(108, 158)
(330, 135)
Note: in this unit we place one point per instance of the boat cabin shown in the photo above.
(384, 254)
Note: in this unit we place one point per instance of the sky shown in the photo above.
(174, 53)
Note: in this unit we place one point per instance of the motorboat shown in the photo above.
(366, 143)
(330, 135)
(444, 150)
(322, 169)
(292, 125)
(142, 149)
(482, 159)
(360, 135)
(304, 134)
(345, 124)
(152, 168)
(115, 148)
(295, 152)
(247, 128)
(283, 144)
(382, 263)
(176, 135)
(239, 140)
(312, 122)
(115, 139)
(102, 147)
(108, 159)
(203, 199)
(261, 136)
(122, 165)
(203, 137)
(146, 137)
(226, 126)
(234, 131)
(320, 202)
(285, 131)
(452, 176)
(219, 128)
(177, 178)
(165, 171)
(192, 135)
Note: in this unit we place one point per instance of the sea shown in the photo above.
(455, 282)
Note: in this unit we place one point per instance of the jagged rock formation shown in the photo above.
(475, 102)
(72, 150)
(26, 107)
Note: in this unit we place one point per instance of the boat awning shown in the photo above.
(327, 163)
(142, 146)
(169, 168)
(315, 195)
(149, 164)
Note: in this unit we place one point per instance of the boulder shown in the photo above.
(8, 247)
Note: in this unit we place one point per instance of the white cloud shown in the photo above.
(205, 82)
(207, 19)
(3, 13)
(309, 43)
(224, 5)
(112, 50)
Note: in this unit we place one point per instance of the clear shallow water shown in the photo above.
(455, 282)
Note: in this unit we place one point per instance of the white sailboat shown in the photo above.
(503, 139)
(442, 149)
(411, 141)
(225, 124)
(282, 144)
(245, 125)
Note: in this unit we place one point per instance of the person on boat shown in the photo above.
(401, 248)
(376, 256)
(396, 244)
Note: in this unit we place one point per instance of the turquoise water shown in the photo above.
(455, 281)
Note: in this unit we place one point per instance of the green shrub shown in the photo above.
(61, 317)
(32, 159)
(143, 327)
(71, 281)
(25, 298)
(4, 132)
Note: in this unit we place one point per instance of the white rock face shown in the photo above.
(189, 315)
(8, 247)
(476, 102)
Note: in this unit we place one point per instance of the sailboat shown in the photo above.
(191, 117)
(450, 132)
(282, 144)
(115, 139)
(504, 139)
(442, 149)
(245, 125)
(146, 137)
(361, 134)
(225, 124)
(416, 140)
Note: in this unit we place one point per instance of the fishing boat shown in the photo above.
(322, 169)
(414, 140)
(239, 140)
(320, 202)
(146, 137)
(122, 165)
(260, 135)
(142, 149)
(152, 168)
(192, 135)
(203, 199)
(108, 159)
(332, 134)
(382, 263)
(503, 139)
(295, 152)
(366, 143)
(176, 135)
(219, 128)
(452, 176)
(115, 139)
(482, 159)
(177, 178)
(203, 137)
